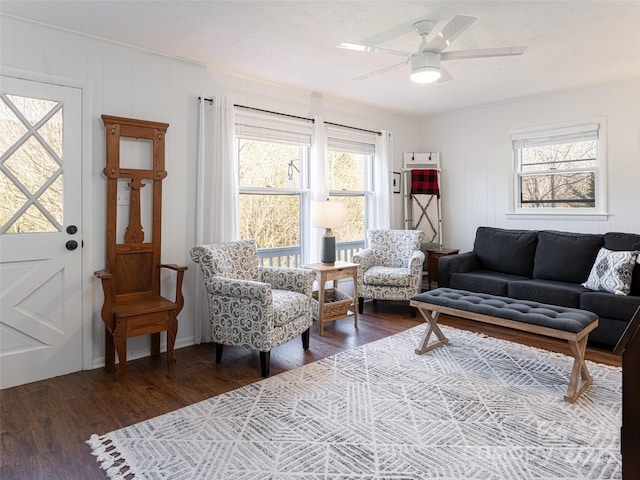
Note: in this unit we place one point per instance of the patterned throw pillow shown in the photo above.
(612, 271)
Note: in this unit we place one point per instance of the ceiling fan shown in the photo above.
(425, 63)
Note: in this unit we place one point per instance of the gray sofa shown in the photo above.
(547, 267)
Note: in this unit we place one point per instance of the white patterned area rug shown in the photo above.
(478, 408)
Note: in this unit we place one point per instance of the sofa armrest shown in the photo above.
(450, 264)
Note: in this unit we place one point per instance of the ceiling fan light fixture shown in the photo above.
(425, 74)
(425, 67)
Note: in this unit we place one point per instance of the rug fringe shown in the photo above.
(110, 460)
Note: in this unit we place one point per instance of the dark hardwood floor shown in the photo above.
(44, 425)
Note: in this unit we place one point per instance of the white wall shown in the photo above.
(477, 163)
(122, 81)
(127, 82)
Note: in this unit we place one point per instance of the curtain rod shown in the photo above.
(353, 128)
(210, 100)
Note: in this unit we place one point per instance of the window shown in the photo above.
(273, 184)
(349, 167)
(560, 170)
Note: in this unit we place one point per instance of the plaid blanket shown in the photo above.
(425, 182)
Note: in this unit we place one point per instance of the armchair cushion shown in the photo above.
(287, 306)
(396, 277)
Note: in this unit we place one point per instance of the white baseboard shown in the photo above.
(141, 353)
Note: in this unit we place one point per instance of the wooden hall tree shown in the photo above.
(133, 305)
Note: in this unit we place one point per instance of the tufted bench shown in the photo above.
(554, 321)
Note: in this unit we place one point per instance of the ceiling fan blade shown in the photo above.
(482, 53)
(391, 33)
(445, 76)
(449, 33)
(371, 49)
(382, 70)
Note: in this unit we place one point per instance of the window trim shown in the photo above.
(264, 127)
(600, 211)
(339, 140)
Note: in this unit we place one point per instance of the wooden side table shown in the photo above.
(433, 254)
(326, 273)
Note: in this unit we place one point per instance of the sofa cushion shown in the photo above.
(483, 281)
(565, 257)
(618, 307)
(547, 291)
(612, 271)
(607, 333)
(625, 241)
(506, 251)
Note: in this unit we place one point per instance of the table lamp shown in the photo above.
(327, 214)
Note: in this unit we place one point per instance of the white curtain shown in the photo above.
(217, 190)
(381, 213)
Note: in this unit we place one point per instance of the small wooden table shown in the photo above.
(326, 272)
(433, 254)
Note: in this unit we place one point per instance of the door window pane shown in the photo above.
(30, 165)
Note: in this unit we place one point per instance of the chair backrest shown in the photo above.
(393, 248)
(133, 258)
(238, 259)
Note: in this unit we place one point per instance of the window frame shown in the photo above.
(358, 143)
(558, 130)
(248, 127)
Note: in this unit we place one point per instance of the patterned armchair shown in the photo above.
(391, 267)
(252, 306)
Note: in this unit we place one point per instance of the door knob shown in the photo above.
(71, 245)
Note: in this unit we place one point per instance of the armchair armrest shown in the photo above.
(365, 259)
(172, 266)
(236, 288)
(449, 264)
(105, 276)
(179, 269)
(416, 262)
(294, 279)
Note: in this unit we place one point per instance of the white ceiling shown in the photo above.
(570, 43)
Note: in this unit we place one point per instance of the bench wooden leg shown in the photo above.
(432, 322)
(580, 371)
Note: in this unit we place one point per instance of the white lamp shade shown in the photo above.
(326, 214)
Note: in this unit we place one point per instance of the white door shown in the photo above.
(40, 213)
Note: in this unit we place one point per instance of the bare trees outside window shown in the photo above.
(31, 165)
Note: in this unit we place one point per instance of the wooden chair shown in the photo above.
(133, 305)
